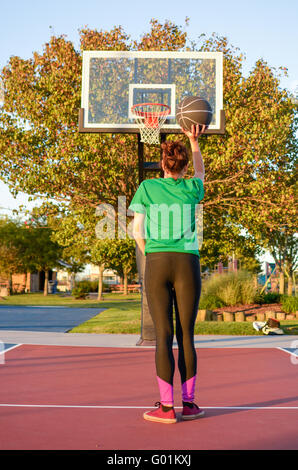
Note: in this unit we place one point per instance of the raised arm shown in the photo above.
(198, 162)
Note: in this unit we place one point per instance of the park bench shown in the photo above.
(130, 288)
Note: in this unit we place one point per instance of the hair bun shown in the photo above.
(175, 156)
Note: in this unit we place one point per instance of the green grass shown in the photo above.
(115, 320)
(128, 321)
(123, 315)
(240, 328)
(67, 301)
(225, 328)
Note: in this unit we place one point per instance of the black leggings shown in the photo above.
(172, 277)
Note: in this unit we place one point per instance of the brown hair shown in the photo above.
(174, 156)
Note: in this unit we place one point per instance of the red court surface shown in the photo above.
(62, 397)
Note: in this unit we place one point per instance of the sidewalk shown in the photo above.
(130, 341)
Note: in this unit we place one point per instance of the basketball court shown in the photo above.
(67, 395)
(62, 391)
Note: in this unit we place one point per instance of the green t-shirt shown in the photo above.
(170, 208)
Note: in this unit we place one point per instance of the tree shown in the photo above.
(121, 257)
(282, 243)
(73, 263)
(27, 248)
(66, 232)
(77, 233)
(37, 249)
(10, 260)
(42, 152)
(44, 155)
(279, 234)
(222, 237)
(98, 255)
(248, 170)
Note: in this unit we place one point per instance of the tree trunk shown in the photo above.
(46, 282)
(125, 286)
(281, 282)
(100, 281)
(290, 278)
(72, 281)
(28, 282)
(10, 286)
(290, 285)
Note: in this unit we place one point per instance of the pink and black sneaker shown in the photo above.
(191, 411)
(163, 414)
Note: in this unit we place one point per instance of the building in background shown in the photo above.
(67, 280)
(109, 275)
(34, 282)
(25, 282)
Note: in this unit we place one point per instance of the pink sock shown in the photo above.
(188, 389)
(166, 392)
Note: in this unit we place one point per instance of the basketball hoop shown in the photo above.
(150, 117)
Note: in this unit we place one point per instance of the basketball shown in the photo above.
(193, 110)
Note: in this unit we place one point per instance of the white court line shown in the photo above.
(289, 352)
(9, 349)
(141, 407)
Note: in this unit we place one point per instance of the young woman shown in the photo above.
(165, 231)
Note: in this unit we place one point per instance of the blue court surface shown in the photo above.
(44, 318)
(4, 347)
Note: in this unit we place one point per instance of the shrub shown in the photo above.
(230, 292)
(84, 284)
(271, 298)
(289, 303)
(106, 287)
(267, 298)
(248, 290)
(93, 285)
(210, 302)
(259, 297)
(81, 290)
(231, 288)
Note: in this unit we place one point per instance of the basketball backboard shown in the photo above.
(114, 81)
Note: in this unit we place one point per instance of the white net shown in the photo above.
(150, 117)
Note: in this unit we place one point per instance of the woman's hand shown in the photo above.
(196, 131)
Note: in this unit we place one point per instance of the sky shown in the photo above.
(264, 29)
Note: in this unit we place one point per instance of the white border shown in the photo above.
(171, 87)
(4, 351)
(87, 55)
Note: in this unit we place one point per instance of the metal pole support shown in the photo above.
(147, 337)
